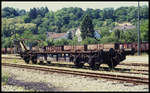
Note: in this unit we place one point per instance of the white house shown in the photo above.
(78, 34)
(74, 32)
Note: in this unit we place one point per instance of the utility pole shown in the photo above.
(14, 32)
(138, 29)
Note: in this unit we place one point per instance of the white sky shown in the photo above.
(54, 6)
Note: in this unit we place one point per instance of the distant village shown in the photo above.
(77, 32)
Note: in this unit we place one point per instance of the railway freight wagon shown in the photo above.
(144, 46)
(94, 55)
(3, 50)
(7, 50)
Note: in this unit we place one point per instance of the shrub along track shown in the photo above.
(131, 79)
(120, 70)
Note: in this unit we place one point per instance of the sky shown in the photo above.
(54, 6)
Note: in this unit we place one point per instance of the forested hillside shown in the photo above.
(35, 23)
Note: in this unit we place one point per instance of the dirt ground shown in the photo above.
(137, 59)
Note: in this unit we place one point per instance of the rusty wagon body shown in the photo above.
(93, 54)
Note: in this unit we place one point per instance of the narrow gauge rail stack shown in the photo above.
(94, 55)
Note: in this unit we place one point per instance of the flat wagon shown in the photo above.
(94, 54)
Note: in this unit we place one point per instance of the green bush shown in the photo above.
(5, 78)
(108, 39)
(89, 41)
(61, 42)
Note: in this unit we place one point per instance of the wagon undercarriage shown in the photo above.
(94, 58)
(111, 55)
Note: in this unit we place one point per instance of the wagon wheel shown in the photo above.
(27, 60)
(122, 57)
(113, 59)
(111, 52)
(49, 62)
(117, 59)
(94, 65)
(80, 65)
(112, 64)
(77, 62)
(41, 62)
(90, 62)
(34, 59)
(71, 58)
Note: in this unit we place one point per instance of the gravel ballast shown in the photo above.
(26, 80)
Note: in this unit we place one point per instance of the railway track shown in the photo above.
(134, 64)
(127, 64)
(117, 69)
(11, 58)
(131, 79)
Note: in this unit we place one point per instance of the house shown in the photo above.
(56, 36)
(77, 32)
(74, 32)
(97, 35)
(125, 27)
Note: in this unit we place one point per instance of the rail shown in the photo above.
(130, 79)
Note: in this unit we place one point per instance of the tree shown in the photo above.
(104, 31)
(27, 19)
(70, 35)
(21, 12)
(41, 20)
(61, 42)
(42, 11)
(89, 40)
(117, 34)
(144, 30)
(9, 12)
(87, 29)
(130, 35)
(107, 13)
(7, 42)
(50, 42)
(33, 13)
(121, 14)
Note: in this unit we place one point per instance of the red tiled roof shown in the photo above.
(55, 35)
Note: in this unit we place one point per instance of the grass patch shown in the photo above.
(14, 61)
(4, 79)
